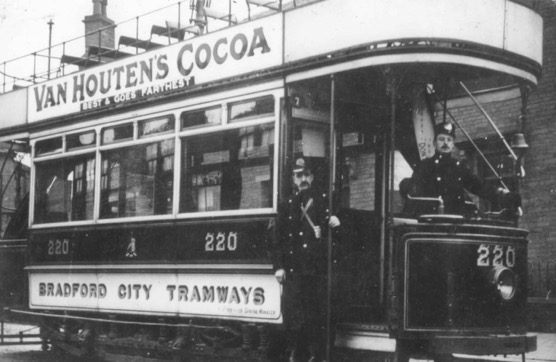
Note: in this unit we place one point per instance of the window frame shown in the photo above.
(274, 89)
(227, 126)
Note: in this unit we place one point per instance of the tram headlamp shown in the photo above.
(505, 281)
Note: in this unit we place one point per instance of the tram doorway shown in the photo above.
(341, 123)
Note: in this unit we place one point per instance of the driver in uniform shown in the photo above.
(445, 177)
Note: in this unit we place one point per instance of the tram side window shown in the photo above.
(65, 189)
(252, 108)
(137, 180)
(229, 170)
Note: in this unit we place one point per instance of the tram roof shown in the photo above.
(495, 36)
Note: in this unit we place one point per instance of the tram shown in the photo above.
(156, 180)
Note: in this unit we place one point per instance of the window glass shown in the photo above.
(202, 117)
(117, 134)
(65, 189)
(156, 126)
(229, 170)
(48, 146)
(85, 139)
(137, 180)
(251, 108)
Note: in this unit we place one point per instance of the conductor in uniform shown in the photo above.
(444, 176)
(301, 264)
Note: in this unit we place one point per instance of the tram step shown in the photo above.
(79, 61)
(175, 30)
(108, 53)
(273, 4)
(138, 43)
(210, 13)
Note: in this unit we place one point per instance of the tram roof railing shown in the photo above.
(167, 25)
(164, 26)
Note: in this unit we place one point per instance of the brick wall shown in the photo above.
(539, 186)
(94, 23)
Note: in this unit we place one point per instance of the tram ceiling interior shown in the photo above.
(444, 79)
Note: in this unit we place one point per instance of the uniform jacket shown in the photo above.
(442, 175)
(298, 250)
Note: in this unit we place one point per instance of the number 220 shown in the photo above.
(221, 242)
(499, 255)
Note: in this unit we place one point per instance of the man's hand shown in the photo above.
(280, 275)
(334, 222)
(317, 231)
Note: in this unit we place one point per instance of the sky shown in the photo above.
(24, 24)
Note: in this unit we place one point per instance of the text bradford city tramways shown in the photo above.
(158, 223)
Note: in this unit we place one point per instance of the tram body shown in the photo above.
(156, 184)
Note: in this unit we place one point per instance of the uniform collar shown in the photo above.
(442, 157)
(305, 194)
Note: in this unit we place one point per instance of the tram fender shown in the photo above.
(485, 345)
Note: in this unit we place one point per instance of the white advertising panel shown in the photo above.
(495, 23)
(250, 297)
(229, 52)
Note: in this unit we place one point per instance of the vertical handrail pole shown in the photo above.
(34, 67)
(229, 12)
(50, 23)
(179, 17)
(137, 33)
(63, 53)
(391, 149)
(331, 164)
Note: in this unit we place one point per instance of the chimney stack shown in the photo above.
(97, 21)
